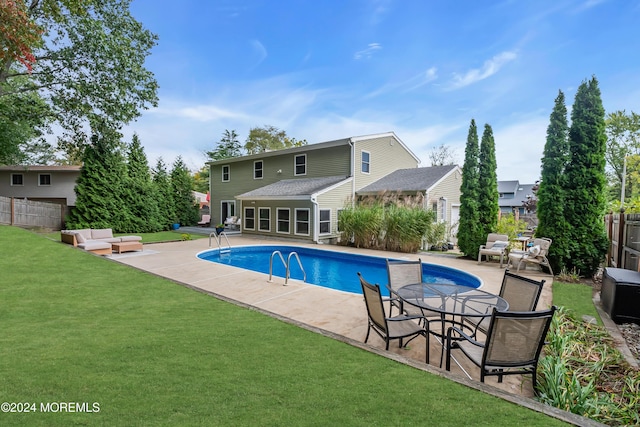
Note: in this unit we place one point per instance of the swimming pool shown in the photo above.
(331, 269)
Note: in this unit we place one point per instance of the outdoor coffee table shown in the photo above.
(126, 247)
(453, 303)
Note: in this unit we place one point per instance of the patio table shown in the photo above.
(453, 303)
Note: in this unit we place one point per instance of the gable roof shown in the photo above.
(316, 146)
(409, 180)
(294, 189)
(519, 191)
(508, 186)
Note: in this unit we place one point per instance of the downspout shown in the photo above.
(316, 219)
(353, 175)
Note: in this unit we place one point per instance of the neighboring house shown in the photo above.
(53, 184)
(440, 186)
(297, 192)
(512, 195)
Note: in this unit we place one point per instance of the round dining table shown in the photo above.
(452, 303)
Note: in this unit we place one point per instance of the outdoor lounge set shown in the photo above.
(500, 334)
(101, 241)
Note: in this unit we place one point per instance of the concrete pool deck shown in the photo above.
(335, 314)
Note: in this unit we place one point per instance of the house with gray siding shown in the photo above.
(297, 192)
(512, 196)
(53, 184)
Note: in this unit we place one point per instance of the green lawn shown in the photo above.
(577, 297)
(82, 328)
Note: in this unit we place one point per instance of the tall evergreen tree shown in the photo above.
(487, 186)
(100, 187)
(468, 228)
(162, 184)
(552, 222)
(186, 208)
(140, 193)
(585, 181)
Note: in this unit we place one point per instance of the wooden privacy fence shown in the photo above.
(29, 213)
(623, 231)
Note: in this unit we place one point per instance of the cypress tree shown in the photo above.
(186, 208)
(162, 184)
(468, 228)
(141, 195)
(487, 187)
(99, 189)
(585, 184)
(551, 206)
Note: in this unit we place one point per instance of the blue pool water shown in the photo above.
(331, 269)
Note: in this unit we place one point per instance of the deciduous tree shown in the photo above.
(88, 64)
(269, 138)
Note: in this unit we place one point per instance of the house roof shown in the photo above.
(520, 192)
(316, 146)
(409, 180)
(508, 186)
(39, 168)
(299, 189)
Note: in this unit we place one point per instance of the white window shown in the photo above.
(44, 179)
(283, 216)
(257, 169)
(302, 221)
(325, 221)
(17, 179)
(300, 164)
(226, 173)
(366, 162)
(264, 222)
(249, 218)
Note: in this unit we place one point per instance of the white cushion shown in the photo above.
(130, 238)
(534, 250)
(80, 238)
(102, 233)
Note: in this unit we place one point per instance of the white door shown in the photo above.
(455, 218)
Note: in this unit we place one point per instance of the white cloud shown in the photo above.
(489, 68)
(368, 52)
(260, 52)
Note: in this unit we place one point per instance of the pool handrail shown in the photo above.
(218, 240)
(286, 266)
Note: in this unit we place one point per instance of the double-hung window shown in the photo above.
(302, 221)
(226, 173)
(264, 220)
(300, 164)
(366, 162)
(283, 217)
(257, 169)
(325, 221)
(250, 218)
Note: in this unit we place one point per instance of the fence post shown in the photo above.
(621, 241)
(609, 222)
(12, 211)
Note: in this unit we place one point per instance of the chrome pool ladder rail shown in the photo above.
(286, 266)
(225, 249)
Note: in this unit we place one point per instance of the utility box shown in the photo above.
(620, 294)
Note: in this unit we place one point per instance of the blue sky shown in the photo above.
(323, 70)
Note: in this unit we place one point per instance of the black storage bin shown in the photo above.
(620, 294)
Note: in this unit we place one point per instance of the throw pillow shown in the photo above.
(534, 250)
